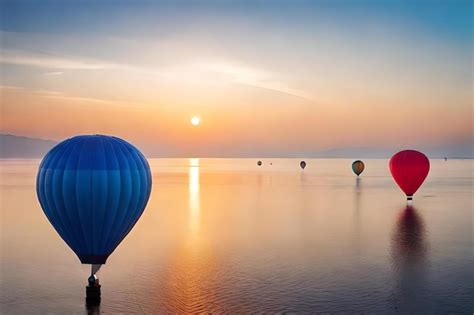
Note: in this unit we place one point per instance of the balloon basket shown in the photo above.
(93, 295)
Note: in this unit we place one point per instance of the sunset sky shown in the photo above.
(265, 77)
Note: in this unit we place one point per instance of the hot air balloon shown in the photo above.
(302, 164)
(409, 169)
(93, 189)
(358, 167)
(259, 163)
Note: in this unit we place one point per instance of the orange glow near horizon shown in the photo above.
(293, 125)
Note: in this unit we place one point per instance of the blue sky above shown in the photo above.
(450, 19)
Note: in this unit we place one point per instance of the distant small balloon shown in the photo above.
(409, 169)
(302, 164)
(259, 163)
(358, 167)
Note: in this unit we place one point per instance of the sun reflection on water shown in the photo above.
(194, 202)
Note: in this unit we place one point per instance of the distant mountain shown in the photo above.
(12, 146)
(463, 150)
(355, 153)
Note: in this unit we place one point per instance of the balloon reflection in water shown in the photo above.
(409, 255)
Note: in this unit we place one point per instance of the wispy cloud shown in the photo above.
(252, 77)
(54, 73)
(43, 60)
(68, 97)
(214, 72)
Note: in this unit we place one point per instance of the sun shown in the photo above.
(195, 120)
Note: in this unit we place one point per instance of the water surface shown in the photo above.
(223, 235)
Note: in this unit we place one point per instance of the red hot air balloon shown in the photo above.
(409, 169)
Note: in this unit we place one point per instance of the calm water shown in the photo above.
(222, 235)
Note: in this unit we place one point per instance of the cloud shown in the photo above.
(252, 77)
(74, 98)
(214, 72)
(43, 60)
(54, 73)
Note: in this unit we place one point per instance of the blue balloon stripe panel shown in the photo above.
(115, 188)
(112, 205)
(93, 189)
(141, 180)
(127, 218)
(98, 196)
(47, 191)
(144, 181)
(73, 232)
(71, 207)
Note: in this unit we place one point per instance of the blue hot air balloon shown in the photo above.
(93, 189)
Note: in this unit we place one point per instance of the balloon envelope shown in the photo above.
(93, 189)
(358, 167)
(302, 164)
(409, 169)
